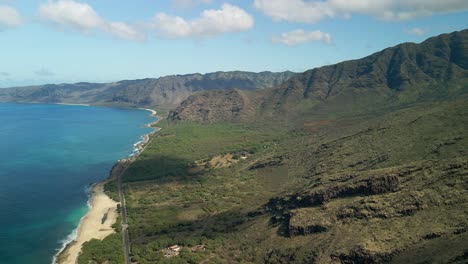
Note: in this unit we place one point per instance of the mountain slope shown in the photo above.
(164, 92)
(406, 73)
(227, 105)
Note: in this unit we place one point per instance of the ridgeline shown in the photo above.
(165, 92)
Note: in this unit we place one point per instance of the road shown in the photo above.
(123, 212)
(123, 208)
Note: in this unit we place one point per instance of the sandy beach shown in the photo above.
(97, 224)
(153, 112)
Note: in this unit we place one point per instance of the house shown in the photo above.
(171, 251)
(175, 248)
(244, 155)
(200, 248)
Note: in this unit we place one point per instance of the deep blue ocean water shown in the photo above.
(49, 156)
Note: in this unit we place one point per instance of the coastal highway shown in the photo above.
(119, 171)
(123, 211)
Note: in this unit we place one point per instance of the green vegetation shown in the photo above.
(175, 146)
(195, 205)
(111, 189)
(109, 250)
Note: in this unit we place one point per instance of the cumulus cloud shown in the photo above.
(299, 36)
(81, 17)
(9, 17)
(313, 11)
(123, 31)
(416, 31)
(70, 15)
(210, 23)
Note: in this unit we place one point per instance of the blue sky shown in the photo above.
(50, 41)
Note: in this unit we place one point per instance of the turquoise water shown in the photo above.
(49, 156)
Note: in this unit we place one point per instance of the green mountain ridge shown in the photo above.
(404, 74)
(164, 92)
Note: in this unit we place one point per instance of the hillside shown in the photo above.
(165, 92)
(404, 74)
(227, 105)
(360, 162)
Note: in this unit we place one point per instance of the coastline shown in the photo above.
(72, 104)
(153, 112)
(140, 145)
(96, 224)
(102, 213)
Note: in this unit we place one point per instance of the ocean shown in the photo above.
(49, 157)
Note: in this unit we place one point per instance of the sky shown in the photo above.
(68, 41)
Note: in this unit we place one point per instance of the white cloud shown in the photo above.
(313, 11)
(416, 31)
(76, 16)
(9, 17)
(299, 36)
(70, 15)
(124, 31)
(210, 23)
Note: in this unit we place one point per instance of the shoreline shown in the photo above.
(96, 224)
(72, 104)
(145, 139)
(92, 225)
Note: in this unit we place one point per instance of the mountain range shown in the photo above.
(163, 92)
(407, 73)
